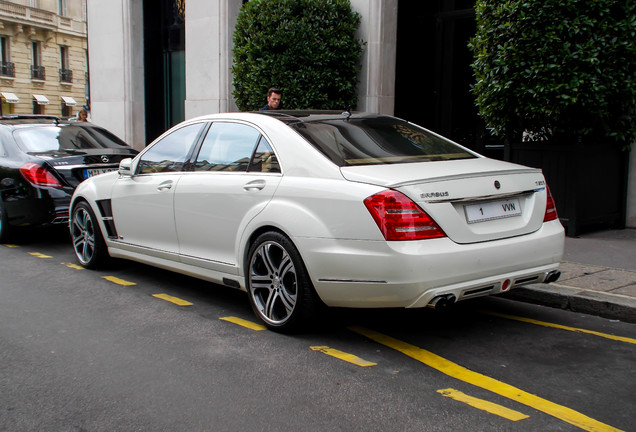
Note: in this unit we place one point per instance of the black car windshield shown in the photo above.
(377, 140)
(52, 138)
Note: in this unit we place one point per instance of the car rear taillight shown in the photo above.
(39, 175)
(550, 207)
(399, 218)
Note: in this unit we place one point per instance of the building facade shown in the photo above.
(156, 62)
(43, 48)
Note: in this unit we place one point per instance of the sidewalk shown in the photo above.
(598, 277)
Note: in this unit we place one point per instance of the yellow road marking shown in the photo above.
(73, 266)
(484, 405)
(343, 356)
(39, 255)
(245, 323)
(118, 281)
(459, 372)
(562, 327)
(11, 245)
(171, 299)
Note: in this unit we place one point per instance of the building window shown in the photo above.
(66, 74)
(37, 70)
(37, 108)
(34, 3)
(67, 111)
(61, 7)
(7, 68)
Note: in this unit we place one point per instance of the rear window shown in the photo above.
(376, 141)
(51, 138)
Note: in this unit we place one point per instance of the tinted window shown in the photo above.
(52, 138)
(227, 147)
(264, 159)
(377, 140)
(171, 152)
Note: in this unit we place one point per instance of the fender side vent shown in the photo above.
(106, 212)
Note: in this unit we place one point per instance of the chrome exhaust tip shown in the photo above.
(553, 276)
(442, 301)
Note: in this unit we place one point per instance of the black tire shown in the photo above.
(88, 241)
(5, 229)
(278, 285)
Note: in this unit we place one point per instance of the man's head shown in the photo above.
(273, 98)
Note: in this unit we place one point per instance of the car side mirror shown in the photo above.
(125, 167)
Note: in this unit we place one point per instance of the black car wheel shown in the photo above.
(5, 229)
(88, 241)
(279, 287)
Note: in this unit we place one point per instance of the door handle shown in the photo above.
(254, 184)
(165, 185)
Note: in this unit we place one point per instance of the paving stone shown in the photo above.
(574, 270)
(605, 281)
(629, 290)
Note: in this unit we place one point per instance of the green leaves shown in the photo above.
(562, 68)
(305, 47)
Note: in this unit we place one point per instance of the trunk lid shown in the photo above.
(75, 166)
(472, 200)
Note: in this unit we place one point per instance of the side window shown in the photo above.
(227, 147)
(170, 154)
(264, 159)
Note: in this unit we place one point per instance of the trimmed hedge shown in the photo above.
(306, 48)
(562, 69)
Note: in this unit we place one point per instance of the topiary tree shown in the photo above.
(557, 69)
(305, 47)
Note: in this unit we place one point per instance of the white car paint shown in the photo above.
(203, 223)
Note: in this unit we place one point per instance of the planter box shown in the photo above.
(589, 183)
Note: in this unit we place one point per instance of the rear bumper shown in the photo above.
(41, 210)
(351, 273)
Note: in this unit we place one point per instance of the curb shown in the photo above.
(611, 306)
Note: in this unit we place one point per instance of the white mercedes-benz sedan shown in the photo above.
(306, 209)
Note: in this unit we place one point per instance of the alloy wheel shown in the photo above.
(83, 234)
(273, 283)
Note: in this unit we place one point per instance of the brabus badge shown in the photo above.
(105, 159)
(497, 184)
(441, 194)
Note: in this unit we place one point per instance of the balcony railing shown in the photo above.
(38, 73)
(7, 69)
(49, 20)
(66, 75)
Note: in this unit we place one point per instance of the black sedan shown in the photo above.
(42, 160)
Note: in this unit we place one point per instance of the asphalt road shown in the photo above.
(83, 350)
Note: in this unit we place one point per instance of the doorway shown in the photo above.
(433, 72)
(164, 65)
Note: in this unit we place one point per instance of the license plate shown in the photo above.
(95, 171)
(492, 210)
